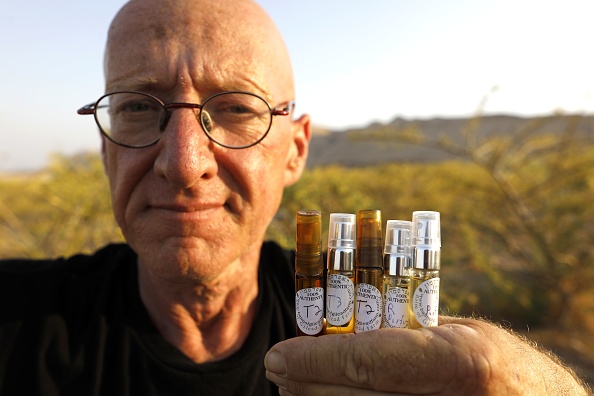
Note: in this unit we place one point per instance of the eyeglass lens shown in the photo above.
(232, 119)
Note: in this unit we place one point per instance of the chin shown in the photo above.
(184, 260)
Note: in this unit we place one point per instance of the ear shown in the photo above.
(297, 154)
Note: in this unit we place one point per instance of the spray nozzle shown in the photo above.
(398, 237)
(342, 232)
(426, 228)
(398, 247)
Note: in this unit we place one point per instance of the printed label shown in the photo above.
(368, 310)
(426, 302)
(309, 307)
(340, 300)
(396, 308)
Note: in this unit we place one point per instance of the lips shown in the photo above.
(188, 207)
(187, 211)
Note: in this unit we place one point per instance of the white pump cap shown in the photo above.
(426, 240)
(426, 228)
(342, 232)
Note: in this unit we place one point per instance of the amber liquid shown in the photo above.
(370, 276)
(310, 282)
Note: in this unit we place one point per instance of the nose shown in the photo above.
(185, 155)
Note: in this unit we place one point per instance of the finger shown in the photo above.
(387, 360)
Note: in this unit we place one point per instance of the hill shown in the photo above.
(378, 143)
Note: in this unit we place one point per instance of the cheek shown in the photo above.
(124, 171)
(264, 181)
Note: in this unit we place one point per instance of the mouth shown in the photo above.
(190, 210)
(189, 207)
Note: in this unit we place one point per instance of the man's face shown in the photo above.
(186, 205)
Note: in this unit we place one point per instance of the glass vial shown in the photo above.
(424, 280)
(397, 261)
(340, 283)
(309, 267)
(368, 296)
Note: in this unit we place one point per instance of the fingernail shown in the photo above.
(275, 363)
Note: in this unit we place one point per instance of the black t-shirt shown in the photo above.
(77, 326)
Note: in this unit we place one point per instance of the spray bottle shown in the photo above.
(424, 284)
(368, 295)
(340, 285)
(397, 261)
(309, 267)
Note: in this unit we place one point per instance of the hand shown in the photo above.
(459, 357)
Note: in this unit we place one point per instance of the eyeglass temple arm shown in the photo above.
(285, 111)
(87, 109)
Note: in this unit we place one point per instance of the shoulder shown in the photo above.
(277, 269)
(277, 259)
(53, 279)
(276, 299)
(56, 310)
(79, 263)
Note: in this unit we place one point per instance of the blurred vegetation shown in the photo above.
(517, 213)
(517, 217)
(60, 211)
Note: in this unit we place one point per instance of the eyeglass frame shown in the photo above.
(92, 107)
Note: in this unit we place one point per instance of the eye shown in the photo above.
(236, 108)
(233, 111)
(206, 121)
(137, 106)
(133, 105)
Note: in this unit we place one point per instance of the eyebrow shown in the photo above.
(133, 83)
(154, 86)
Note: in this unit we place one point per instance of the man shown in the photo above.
(198, 145)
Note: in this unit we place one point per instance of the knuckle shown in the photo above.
(360, 364)
(297, 388)
(472, 361)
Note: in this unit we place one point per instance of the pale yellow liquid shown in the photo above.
(348, 327)
(418, 276)
(389, 283)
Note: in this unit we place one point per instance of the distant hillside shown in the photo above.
(362, 147)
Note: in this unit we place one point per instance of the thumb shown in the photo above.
(387, 360)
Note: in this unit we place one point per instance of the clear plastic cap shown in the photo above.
(398, 237)
(342, 232)
(426, 228)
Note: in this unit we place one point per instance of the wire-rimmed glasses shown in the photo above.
(231, 119)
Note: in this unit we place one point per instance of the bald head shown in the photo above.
(191, 208)
(214, 39)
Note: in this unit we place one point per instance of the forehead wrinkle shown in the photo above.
(240, 59)
(151, 66)
(231, 76)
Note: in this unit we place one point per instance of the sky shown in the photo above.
(355, 62)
